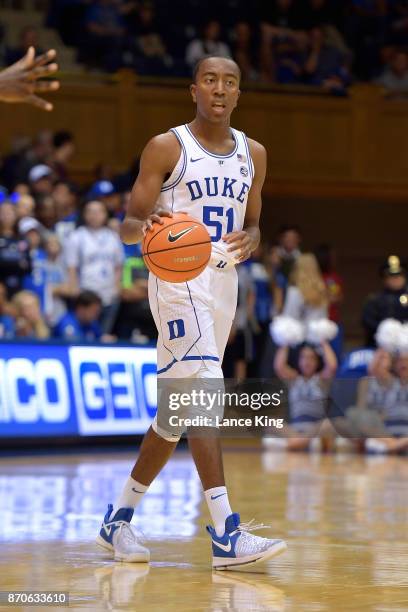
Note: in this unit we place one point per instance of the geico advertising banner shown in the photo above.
(49, 390)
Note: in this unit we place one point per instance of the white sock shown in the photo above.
(219, 507)
(131, 496)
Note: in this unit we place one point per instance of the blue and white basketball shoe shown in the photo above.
(117, 536)
(238, 547)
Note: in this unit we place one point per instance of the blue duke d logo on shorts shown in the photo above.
(176, 329)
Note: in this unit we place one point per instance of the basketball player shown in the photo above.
(20, 81)
(211, 171)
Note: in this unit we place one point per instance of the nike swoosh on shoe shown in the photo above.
(225, 547)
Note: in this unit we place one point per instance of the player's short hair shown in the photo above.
(198, 63)
(87, 298)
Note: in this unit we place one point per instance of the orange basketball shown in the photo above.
(179, 250)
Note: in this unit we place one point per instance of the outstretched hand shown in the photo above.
(20, 82)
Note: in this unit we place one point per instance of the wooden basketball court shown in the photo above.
(344, 518)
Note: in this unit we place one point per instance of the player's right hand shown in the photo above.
(155, 217)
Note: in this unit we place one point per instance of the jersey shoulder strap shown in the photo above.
(244, 154)
(180, 168)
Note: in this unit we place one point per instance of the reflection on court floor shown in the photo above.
(67, 501)
(344, 517)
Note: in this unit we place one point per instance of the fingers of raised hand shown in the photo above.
(45, 86)
(45, 58)
(39, 102)
(41, 71)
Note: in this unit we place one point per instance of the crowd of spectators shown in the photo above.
(64, 272)
(326, 43)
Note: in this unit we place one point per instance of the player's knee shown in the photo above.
(163, 433)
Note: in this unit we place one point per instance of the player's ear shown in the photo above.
(193, 88)
(238, 94)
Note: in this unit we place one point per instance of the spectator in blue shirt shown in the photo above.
(7, 326)
(82, 323)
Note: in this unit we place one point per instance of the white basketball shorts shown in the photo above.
(193, 320)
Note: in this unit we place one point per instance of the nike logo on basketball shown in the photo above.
(225, 547)
(194, 160)
(174, 237)
(217, 496)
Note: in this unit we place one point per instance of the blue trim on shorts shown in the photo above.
(200, 357)
(167, 367)
(188, 358)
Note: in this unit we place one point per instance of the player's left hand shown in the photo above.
(239, 242)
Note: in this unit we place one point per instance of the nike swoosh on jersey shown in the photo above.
(195, 160)
(225, 547)
(173, 237)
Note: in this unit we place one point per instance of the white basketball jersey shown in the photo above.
(211, 188)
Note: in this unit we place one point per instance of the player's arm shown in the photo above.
(248, 238)
(158, 160)
(20, 82)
